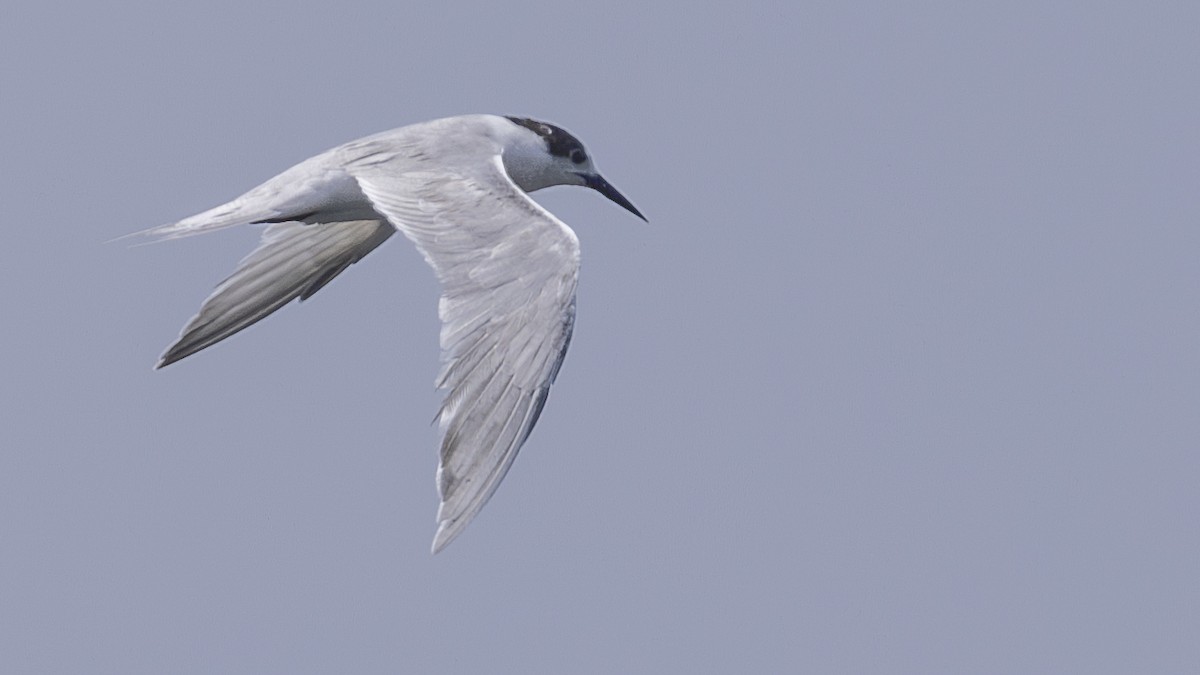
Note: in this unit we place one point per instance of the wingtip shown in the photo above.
(168, 357)
(448, 531)
(441, 540)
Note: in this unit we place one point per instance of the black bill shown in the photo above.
(597, 183)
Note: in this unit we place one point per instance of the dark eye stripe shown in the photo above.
(558, 141)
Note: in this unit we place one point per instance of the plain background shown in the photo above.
(902, 376)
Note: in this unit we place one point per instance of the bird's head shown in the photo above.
(554, 157)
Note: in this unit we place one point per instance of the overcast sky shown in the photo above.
(902, 376)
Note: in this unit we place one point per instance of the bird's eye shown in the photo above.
(578, 156)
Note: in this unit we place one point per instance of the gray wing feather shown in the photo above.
(320, 224)
(508, 270)
(294, 260)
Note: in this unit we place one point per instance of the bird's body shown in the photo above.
(456, 188)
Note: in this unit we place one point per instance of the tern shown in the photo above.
(457, 188)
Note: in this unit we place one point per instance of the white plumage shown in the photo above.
(455, 187)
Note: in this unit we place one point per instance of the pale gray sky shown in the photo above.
(902, 376)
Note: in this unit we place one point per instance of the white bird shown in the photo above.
(457, 188)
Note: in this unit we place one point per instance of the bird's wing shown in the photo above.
(319, 224)
(294, 260)
(508, 270)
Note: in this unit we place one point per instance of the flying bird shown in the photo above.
(457, 188)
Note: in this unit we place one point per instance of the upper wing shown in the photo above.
(294, 260)
(320, 224)
(508, 270)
